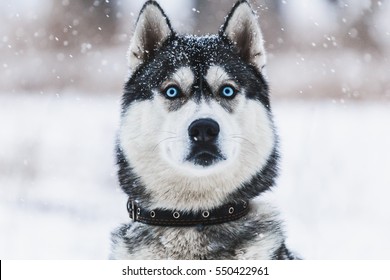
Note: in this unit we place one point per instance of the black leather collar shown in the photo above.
(225, 213)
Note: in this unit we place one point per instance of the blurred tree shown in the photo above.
(355, 30)
(209, 15)
(75, 22)
(360, 31)
(272, 23)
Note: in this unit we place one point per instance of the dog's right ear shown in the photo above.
(151, 30)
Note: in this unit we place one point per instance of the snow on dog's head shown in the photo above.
(196, 123)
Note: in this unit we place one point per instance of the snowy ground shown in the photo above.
(59, 197)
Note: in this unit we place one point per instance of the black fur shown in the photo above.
(199, 53)
(264, 180)
(178, 51)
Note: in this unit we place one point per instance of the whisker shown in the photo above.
(139, 135)
(168, 138)
(165, 131)
(237, 136)
(135, 137)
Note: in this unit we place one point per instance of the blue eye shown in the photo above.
(228, 92)
(172, 92)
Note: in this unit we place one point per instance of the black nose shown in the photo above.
(203, 130)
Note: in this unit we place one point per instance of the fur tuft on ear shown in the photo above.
(243, 30)
(151, 30)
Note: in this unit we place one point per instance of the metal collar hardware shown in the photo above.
(162, 217)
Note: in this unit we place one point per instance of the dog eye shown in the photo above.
(172, 92)
(228, 92)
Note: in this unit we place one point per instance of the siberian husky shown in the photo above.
(197, 144)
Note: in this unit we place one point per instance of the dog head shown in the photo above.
(196, 126)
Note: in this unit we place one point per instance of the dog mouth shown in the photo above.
(206, 156)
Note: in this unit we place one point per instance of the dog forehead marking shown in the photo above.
(183, 77)
(216, 76)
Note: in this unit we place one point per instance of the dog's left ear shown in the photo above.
(243, 30)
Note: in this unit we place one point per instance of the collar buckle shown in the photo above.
(131, 209)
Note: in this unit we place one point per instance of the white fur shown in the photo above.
(217, 76)
(119, 250)
(183, 77)
(176, 151)
(155, 142)
(266, 243)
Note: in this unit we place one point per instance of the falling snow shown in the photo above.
(60, 87)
